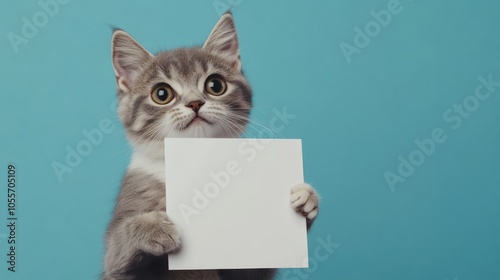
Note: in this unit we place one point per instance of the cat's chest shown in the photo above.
(154, 167)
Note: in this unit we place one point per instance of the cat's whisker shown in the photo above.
(240, 129)
(243, 122)
(252, 122)
(233, 128)
(150, 133)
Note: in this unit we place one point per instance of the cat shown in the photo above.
(185, 92)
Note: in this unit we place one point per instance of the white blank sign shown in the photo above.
(230, 199)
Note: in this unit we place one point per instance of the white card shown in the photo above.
(230, 199)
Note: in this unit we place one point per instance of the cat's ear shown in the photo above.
(129, 57)
(224, 41)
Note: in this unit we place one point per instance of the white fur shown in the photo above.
(149, 160)
(305, 200)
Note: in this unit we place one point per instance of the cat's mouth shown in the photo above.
(196, 120)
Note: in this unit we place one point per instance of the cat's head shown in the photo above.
(186, 92)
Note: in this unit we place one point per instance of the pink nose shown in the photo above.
(195, 105)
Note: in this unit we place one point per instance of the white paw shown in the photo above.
(305, 201)
(154, 233)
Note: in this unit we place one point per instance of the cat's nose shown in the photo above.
(195, 105)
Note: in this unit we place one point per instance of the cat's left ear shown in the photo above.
(223, 40)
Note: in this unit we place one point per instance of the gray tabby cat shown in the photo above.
(186, 92)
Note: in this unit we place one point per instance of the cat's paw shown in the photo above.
(305, 201)
(154, 233)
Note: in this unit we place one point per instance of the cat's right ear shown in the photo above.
(223, 40)
(128, 58)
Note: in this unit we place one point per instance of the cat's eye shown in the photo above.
(163, 94)
(215, 85)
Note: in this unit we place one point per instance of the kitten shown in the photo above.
(186, 92)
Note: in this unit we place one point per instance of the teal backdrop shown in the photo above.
(397, 103)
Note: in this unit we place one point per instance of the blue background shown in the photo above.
(355, 119)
